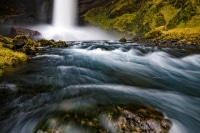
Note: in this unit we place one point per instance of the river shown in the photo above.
(90, 73)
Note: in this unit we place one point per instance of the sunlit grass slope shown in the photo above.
(141, 17)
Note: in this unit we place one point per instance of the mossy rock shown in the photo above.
(61, 44)
(123, 39)
(25, 44)
(44, 42)
(124, 118)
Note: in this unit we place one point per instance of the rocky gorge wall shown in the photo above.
(25, 11)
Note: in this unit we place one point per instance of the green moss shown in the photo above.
(9, 57)
(147, 18)
(155, 33)
(169, 12)
(183, 16)
(125, 20)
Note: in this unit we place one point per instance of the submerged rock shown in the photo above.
(148, 121)
(106, 119)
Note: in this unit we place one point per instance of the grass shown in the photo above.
(184, 35)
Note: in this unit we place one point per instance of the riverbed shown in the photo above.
(91, 73)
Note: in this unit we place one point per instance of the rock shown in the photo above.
(26, 11)
(52, 43)
(61, 44)
(117, 119)
(25, 44)
(123, 39)
(19, 41)
(143, 120)
(44, 42)
(23, 31)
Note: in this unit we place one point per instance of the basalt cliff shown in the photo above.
(25, 11)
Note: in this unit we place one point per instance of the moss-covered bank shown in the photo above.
(181, 18)
(16, 50)
(9, 57)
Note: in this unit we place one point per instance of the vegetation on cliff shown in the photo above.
(181, 18)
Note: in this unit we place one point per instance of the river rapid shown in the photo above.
(92, 73)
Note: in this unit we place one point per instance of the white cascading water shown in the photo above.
(64, 14)
(64, 28)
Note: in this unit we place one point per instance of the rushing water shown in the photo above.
(88, 74)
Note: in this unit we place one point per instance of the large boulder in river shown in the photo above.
(23, 31)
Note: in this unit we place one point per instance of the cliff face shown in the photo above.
(25, 11)
(138, 17)
(85, 5)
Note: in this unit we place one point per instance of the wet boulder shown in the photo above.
(143, 120)
(61, 44)
(52, 43)
(44, 42)
(115, 119)
(23, 31)
(25, 44)
(123, 39)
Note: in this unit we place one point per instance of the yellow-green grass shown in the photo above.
(185, 35)
(182, 34)
(180, 22)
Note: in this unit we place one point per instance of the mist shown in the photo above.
(64, 26)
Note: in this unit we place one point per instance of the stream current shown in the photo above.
(92, 73)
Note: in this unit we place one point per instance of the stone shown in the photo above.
(123, 39)
(61, 44)
(143, 120)
(44, 42)
(25, 44)
(19, 41)
(23, 31)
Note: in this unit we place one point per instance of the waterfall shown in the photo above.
(64, 14)
(64, 28)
